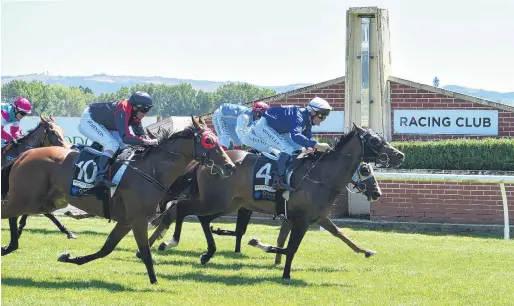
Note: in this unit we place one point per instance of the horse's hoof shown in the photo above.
(253, 242)
(71, 236)
(162, 247)
(5, 251)
(369, 253)
(286, 277)
(9, 249)
(204, 259)
(64, 257)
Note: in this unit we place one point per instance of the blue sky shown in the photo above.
(263, 42)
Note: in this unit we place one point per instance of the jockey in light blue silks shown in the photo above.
(286, 129)
(232, 121)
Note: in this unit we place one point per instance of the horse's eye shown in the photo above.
(208, 141)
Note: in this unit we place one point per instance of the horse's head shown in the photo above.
(377, 149)
(206, 148)
(365, 182)
(46, 133)
(54, 133)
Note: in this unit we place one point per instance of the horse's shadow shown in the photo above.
(237, 280)
(89, 284)
(234, 266)
(190, 254)
(57, 232)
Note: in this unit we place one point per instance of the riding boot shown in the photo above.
(282, 161)
(101, 176)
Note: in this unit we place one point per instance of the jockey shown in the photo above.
(12, 114)
(108, 124)
(231, 122)
(287, 129)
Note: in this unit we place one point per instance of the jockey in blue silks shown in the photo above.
(287, 129)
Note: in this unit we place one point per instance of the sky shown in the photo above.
(265, 42)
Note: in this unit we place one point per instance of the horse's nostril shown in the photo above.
(400, 156)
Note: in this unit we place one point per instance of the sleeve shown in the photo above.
(5, 136)
(297, 132)
(242, 125)
(121, 118)
(15, 129)
(138, 129)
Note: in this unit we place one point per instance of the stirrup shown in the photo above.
(282, 184)
(103, 180)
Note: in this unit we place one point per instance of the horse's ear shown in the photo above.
(149, 133)
(52, 118)
(202, 121)
(195, 121)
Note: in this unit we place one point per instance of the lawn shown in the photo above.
(409, 269)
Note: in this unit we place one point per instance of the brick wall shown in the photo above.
(407, 97)
(441, 202)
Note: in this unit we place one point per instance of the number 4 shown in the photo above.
(264, 173)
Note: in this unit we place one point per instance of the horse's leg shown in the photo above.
(164, 246)
(78, 216)
(281, 239)
(140, 230)
(169, 217)
(119, 231)
(243, 218)
(211, 244)
(23, 223)
(327, 224)
(175, 239)
(61, 227)
(298, 230)
(13, 244)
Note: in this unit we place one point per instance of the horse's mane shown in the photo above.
(344, 139)
(165, 134)
(31, 131)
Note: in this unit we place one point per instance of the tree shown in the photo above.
(436, 82)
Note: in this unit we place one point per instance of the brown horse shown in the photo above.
(46, 133)
(317, 183)
(363, 180)
(49, 171)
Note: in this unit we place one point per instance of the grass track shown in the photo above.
(409, 269)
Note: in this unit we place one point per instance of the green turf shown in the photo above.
(409, 269)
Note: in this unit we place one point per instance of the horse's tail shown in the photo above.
(160, 217)
(6, 170)
(187, 180)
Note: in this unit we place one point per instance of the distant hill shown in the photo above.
(502, 97)
(102, 83)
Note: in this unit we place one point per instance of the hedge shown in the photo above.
(456, 154)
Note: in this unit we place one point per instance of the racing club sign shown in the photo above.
(449, 122)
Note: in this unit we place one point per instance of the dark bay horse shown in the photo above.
(49, 171)
(363, 180)
(46, 133)
(317, 183)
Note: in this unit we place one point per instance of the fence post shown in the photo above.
(506, 231)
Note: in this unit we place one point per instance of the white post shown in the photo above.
(506, 233)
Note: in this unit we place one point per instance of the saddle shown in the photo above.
(83, 178)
